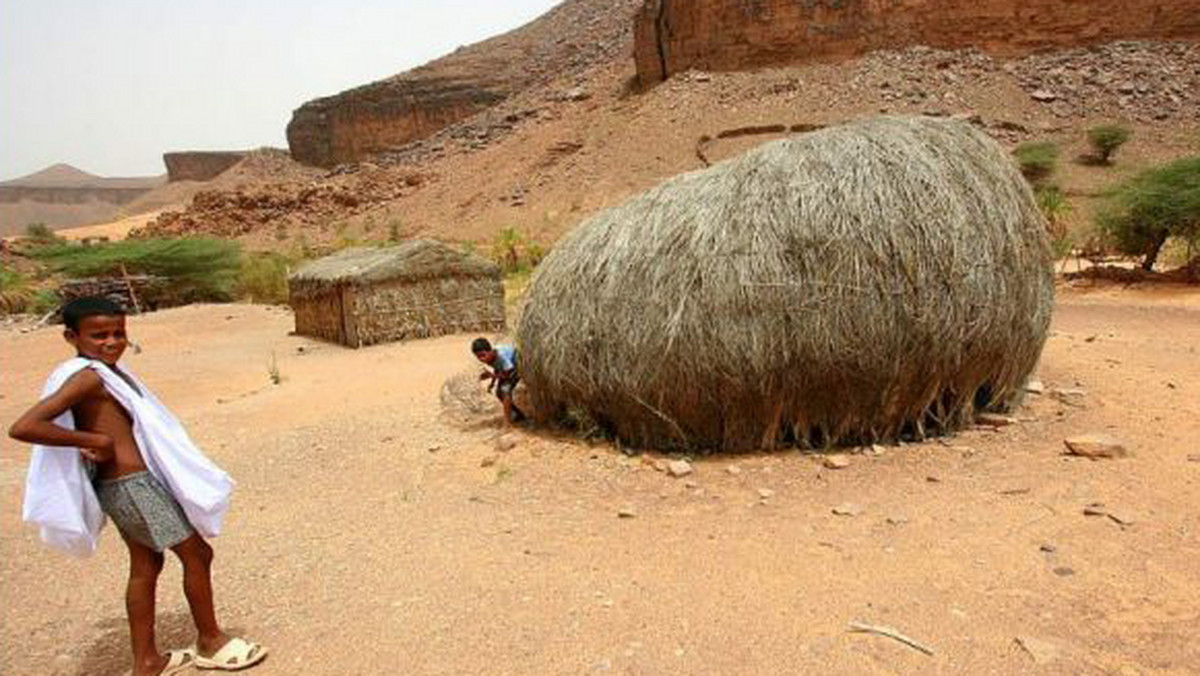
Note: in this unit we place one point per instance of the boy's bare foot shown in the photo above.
(207, 646)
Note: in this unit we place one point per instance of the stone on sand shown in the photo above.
(1096, 446)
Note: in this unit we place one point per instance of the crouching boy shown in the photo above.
(105, 446)
(504, 376)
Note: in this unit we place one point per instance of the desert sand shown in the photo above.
(366, 537)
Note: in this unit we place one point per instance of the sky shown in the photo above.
(110, 86)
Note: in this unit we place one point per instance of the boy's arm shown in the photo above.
(37, 426)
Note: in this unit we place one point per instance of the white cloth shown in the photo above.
(59, 497)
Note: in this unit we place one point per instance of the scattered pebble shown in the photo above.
(1035, 386)
(1194, 457)
(506, 442)
(848, 509)
(1063, 571)
(678, 468)
(765, 493)
(1096, 446)
(488, 461)
(897, 520)
(626, 513)
(836, 461)
(1048, 548)
(734, 470)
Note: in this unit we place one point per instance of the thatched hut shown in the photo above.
(870, 281)
(416, 289)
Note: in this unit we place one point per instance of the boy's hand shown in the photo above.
(485, 375)
(99, 453)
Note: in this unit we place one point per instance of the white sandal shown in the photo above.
(235, 655)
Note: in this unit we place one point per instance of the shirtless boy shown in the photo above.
(145, 512)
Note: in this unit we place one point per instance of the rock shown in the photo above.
(1048, 548)
(660, 465)
(1096, 446)
(848, 509)
(506, 442)
(678, 468)
(734, 470)
(1043, 96)
(488, 461)
(1034, 386)
(876, 449)
(1064, 571)
(576, 94)
(994, 419)
(1042, 652)
(1194, 457)
(836, 461)
(896, 520)
(626, 512)
(765, 493)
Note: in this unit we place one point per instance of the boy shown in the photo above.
(148, 477)
(503, 360)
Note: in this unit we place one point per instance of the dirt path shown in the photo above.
(366, 538)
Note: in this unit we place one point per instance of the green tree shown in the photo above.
(1141, 214)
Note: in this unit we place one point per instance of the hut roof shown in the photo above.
(408, 261)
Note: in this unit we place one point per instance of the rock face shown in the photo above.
(388, 114)
(362, 121)
(671, 36)
(199, 165)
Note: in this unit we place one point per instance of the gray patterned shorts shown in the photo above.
(144, 511)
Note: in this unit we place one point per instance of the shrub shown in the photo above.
(1106, 139)
(41, 234)
(1159, 203)
(262, 278)
(195, 269)
(1037, 160)
(18, 295)
(1055, 206)
(506, 250)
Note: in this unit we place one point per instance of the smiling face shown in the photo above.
(100, 337)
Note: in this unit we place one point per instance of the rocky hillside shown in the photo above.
(676, 35)
(546, 157)
(382, 115)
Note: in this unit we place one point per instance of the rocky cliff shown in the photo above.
(199, 165)
(723, 35)
(387, 114)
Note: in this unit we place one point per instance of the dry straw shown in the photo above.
(865, 282)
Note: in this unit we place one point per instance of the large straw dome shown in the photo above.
(859, 283)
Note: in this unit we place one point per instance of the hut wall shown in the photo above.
(319, 313)
(389, 311)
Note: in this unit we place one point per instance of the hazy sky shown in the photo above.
(109, 86)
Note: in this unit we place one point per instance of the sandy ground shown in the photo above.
(114, 230)
(367, 538)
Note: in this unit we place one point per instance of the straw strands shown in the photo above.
(865, 282)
